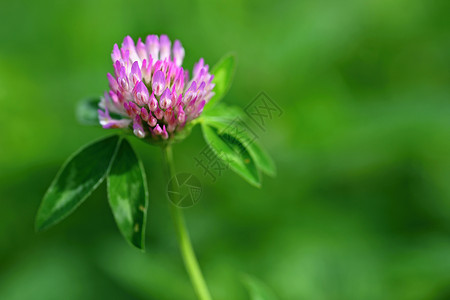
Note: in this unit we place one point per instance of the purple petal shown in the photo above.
(157, 130)
(141, 50)
(179, 81)
(181, 117)
(170, 74)
(157, 66)
(135, 74)
(164, 134)
(201, 87)
(138, 130)
(200, 108)
(117, 67)
(140, 94)
(128, 44)
(125, 56)
(152, 121)
(144, 114)
(159, 114)
(191, 106)
(134, 108)
(146, 70)
(193, 87)
(158, 83)
(123, 79)
(166, 99)
(169, 116)
(127, 108)
(116, 55)
(114, 98)
(103, 114)
(178, 53)
(164, 43)
(152, 103)
(179, 101)
(152, 45)
(190, 92)
(107, 122)
(197, 67)
(115, 123)
(112, 82)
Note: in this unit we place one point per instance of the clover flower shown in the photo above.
(152, 96)
(150, 91)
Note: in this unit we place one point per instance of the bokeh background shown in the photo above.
(360, 208)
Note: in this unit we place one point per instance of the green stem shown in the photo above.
(187, 252)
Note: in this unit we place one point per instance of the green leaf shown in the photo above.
(75, 181)
(223, 73)
(227, 125)
(263, 160)
(128, 195)
(233, 153)
(257, 289)
(86, 111)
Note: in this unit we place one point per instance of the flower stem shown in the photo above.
(187, 252)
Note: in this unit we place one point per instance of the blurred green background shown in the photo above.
(360, 208)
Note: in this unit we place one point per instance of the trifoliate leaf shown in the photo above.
(128, 195)
(81, 174)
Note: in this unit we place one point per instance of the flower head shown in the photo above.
(150, 92)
